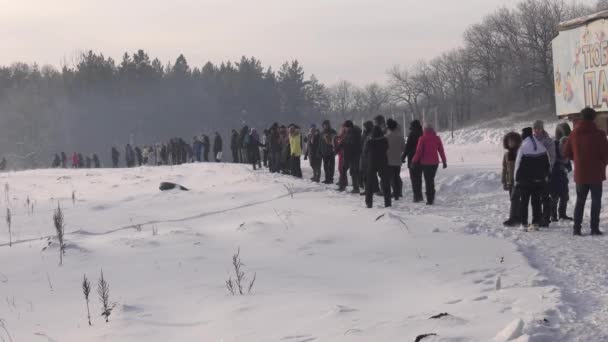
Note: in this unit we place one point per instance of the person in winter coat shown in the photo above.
(313, 153)
(351, 149)
(253, 145)
(531, 174)
(3, 164)
(139, 156)
(265, 142)
(377, 163)
(587, 146)
(115, 157)
(410, 150)
(197, 146)
(328, 135)
(88, 162)
(558, 187)
(285, 161)
(96, 162)
(274, 148)
(75, 161)
(368, 126)
(538, 129)
(339, 152)
(426, 157)
(56, 161)
(244, 149)
(81, 160)
(396, 147)
(234, 146)
(511, 142)
(206, 147)
(64, 160)
(129, 156)
(380, 121)
(217, 147)
(295, 148)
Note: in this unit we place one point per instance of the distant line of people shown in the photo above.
(76, 161)
(536, 167)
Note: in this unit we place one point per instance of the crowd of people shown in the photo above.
(372, 156)
(536, 167)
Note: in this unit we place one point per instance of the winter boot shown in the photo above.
(596, 232)
(511, 223)
(577, 231)
(566, 218)
(430, 198)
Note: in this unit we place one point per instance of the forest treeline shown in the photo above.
(504, 65)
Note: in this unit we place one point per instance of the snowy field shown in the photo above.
(327, 269)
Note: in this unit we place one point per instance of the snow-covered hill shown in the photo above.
(326, 268)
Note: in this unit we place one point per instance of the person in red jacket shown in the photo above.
(75, 160)
(427, 157)
(587, 146)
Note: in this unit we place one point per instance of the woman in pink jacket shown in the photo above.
(427, 157)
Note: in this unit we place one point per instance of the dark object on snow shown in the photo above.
(164, 186)
(439, 315)
(423, 336)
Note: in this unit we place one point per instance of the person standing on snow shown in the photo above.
(396, 147)
(587, 146)
(531, 174)
(328, 135)
(377, 163)
(350, 147)
(295, 148)
(217, 147)
(234, 146)
(115, 157)
(75, 161)
(410, 151)
(511, 142)
(368, 126)
(559, 189)
(274, 148)
(64, 160)
(206, 147)
(543, 137)
(313, 153)
(426, 157)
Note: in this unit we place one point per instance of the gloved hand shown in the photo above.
(445, 165)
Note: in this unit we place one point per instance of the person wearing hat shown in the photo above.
(396, 147)
(538, 129)
(313, 153)
(410, 150)
(531, 174)
(587, 146)
(328, 136)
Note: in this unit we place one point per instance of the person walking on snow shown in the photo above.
(410, 151)
(531, 174)
(511, 142)
(587, 146)
(426, 157)
(396, 147)
(350, 147)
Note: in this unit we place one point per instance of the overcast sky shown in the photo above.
(356, 40)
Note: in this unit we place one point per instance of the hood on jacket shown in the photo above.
(511, 136)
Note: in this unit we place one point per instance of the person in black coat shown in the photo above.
(217, 147)
(368, 126)
(56, 161)
(206, 147)
(64, 160)
(410, 150)
(139, 155)
(115, 157)
(234, 146)
(328, 136)
(351, 149)
(96, 162)
(274, 148)
(377, 161)
(313, 153)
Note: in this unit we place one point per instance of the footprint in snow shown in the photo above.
(478, 299)
(456, 301)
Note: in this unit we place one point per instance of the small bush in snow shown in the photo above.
(59, 229)
(103, 291)
(86, 290)
(9, 222)
(237, 284)
(74, 197)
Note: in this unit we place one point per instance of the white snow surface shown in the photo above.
(327, 269)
